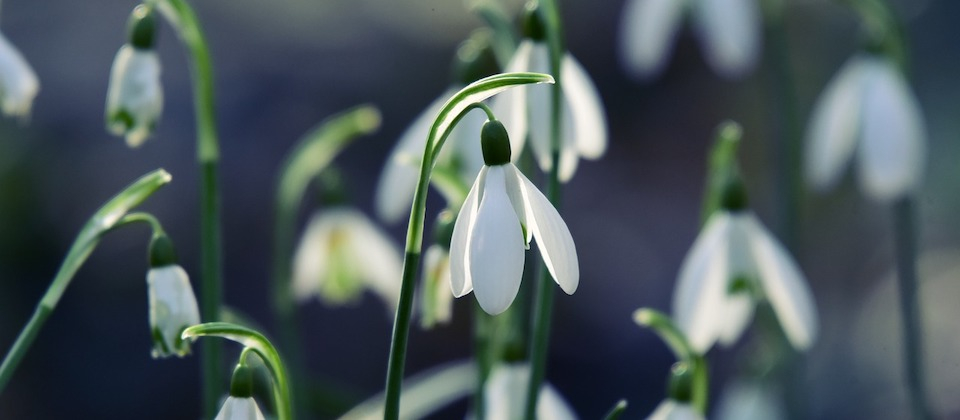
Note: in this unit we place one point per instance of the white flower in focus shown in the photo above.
(868, 108)
(505, 395)
(729, 30)
(671, 409)
(502, 212)
(435, 299)
(236, 408)
(18, 82)
(750, 400)
(134, 97)
(173, 308)
(341, 253)
(527, 109)
(398, 181)
(733, 263)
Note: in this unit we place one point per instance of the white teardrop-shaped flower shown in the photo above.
(342, 253)
(236, 408)
(671, 409)
(729, 30)
(868, 108)
(398, 181)
(173, 308)
(526, 110)
(487, 249)
(734, 262)
(134, 97)
(505, 395)
(18, 82)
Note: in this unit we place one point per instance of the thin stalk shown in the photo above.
(184, 21)
(906, 247)
(543, 303)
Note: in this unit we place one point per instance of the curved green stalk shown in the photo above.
(184, 21)
(307, 159)
(677, 341)
(451, 113)
(721, 167)
(616, 411)
(104, 220)
(258, 343)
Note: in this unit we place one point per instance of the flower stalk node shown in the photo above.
(495, 143)
(241, 383)
(142, 28)
(680, 386)
(734, 196)
(161, 251)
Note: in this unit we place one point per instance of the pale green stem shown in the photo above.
(616, 411)
(184, 21)
(462, 102)
(259, 344)
(906, 243)
(677, 342)
(105, 219)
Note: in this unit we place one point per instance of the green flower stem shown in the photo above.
(309, 157)
(452, 112)
(256, 342)
(140, 217)
(105, 219)
(184, 21)
(543, 306)
(906, 246)
(616, 411)
(677, 342)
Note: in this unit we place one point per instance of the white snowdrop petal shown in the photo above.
(496, 247)
(673, 410)
(510, 107)
(586, 109)
(464, 140)
(891, 152)
(552, 235)
(461, 281)
(729, 31)
(834, 121)
(539, 100)
(785, 287)
(310, 259)
(699, 297)
(235, 408)
(515, 192)
(647, 33)
(374, 255)
(750, 400)
(736, 316)
(18, 82)
(172, 307)
(505, 395)
(551, 405)
(134, 91)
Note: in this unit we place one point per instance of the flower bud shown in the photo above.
(173, 306)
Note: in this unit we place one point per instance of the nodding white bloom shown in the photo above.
(671, 409)
(750, 400)
(734, 263)
(398, 181)
(868, 108)
(237, 408)
(134, 96)
(173, 308)
(527, 110)
(505, 395)
(502, 212)
(729, 30)
(18, 82)
(341, 253)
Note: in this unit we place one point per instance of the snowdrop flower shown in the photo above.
(496, 222)
(671, 409)
(730, 31)
(240, 405)
(18, 82)
(505, 395)
(527, 109)
(341, 253)
(134, 96)
(868, 108)
(435, 299)
(173, 306)
(733, 263)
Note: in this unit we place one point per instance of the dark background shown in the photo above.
(283, 65)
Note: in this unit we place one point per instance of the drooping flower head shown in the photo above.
(134, 96)
(240, 405)
(527, 110)
(729, 31)
(18, 82)
(679, 402)
(869, 111)
(734, 263)
(173, 306)
(342, 253)
(501, 214)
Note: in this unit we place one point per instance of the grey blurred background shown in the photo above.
(284, 65)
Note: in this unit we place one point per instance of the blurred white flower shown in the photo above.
(671, 409)
(134, 96)
(729, 30)
(173, 308)
(235, 408)
(733, 263)
(496, 222)
(526, 110)
(18, 82)
(505, 395)
(398, 181)
(435, 298)
(867, 107)
(750, 400)
(341, 253)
